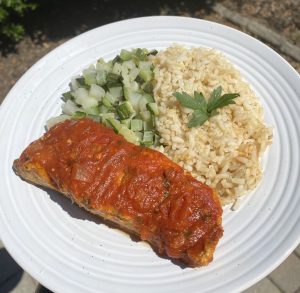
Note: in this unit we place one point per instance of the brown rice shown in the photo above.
(225, 151)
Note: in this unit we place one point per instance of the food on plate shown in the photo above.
(134, 186)
(203, 110)
(117, 93)
(142, 95)
(224, 152)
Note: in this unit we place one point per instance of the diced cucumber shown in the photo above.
(69, 108)
(129, 135)
(101, 77)
(112, 98)
(125, 110)
(141, 54)
(124, 73)
(152, 52)
(119, 93)
(106, 116)
(111, 84)
(92, 110)
(146, 115)
(145, 65)
(117, 69)
(126, 122)
(127, 92)
(148, 125)
(112, 77)
(136, 125)
(80, 95)
(102, 65)
(68, 96)
(53, 121)
(134, 86)
(148, 138)
(81, 82)
(149, 98)
(143, 104)
(156, 140)
(133, 97)
(139, 135)
(90, 76)
(97, 92)
(129, 64)
(87, 102)
(133, 73)
(74, 84)
(116, 92)
(78, 115)
(139, 79)
(125, 55)
(96, 118)
(114, 123)
(146, 75)
(152, 107)
(148, 87)
(106, 102)
(117, 59)
(103, 109)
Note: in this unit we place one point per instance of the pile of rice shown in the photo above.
(225, 151)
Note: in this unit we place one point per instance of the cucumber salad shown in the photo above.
(117, 93)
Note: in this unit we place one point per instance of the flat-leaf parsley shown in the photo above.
(203, 109)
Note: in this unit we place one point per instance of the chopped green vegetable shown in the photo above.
(148, 138)
(125, 55)
(146, 115)
(152, 107)
(103, 109)
(204, 109)
(96, 118)
(106, 116)
(116, 59)
(101, 77)
(152, 52)
(129, 135)
(81, 82)
(125, 110)
(90, 76)
(114, 123)
(126, 122)
(136, 125)
(148, 87)
(119, 94)
(107, 103)
(68, 96)
(78, 115)
(139, 135)
(92, 110)
(148, 125)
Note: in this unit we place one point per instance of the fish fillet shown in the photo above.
(138, 188)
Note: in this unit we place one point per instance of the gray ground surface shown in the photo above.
(57, 21)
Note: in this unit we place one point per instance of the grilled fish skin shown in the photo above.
(138, 188)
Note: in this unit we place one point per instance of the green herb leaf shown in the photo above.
(203, 109)
(201, 100)
(214, 97)
(199, 117)
(187, 101)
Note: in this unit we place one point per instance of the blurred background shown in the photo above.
(30, 29)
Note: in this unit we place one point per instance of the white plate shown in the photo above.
(68, 250)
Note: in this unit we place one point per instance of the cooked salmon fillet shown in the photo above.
(136, 187)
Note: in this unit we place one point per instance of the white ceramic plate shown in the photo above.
(68, 250)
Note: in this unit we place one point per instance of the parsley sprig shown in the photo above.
(203, 109)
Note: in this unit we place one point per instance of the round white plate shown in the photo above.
(68, 250)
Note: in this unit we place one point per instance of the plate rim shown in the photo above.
(10, 96)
